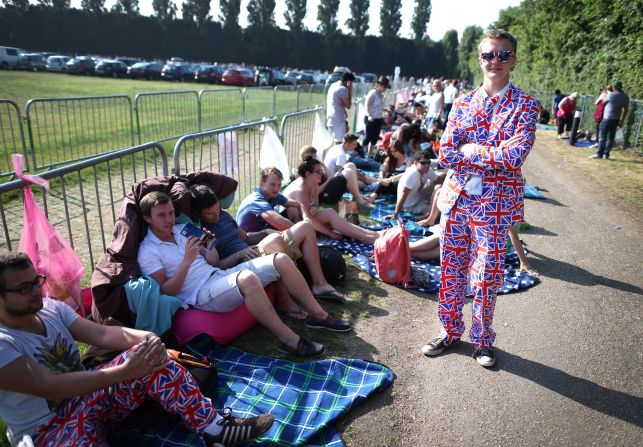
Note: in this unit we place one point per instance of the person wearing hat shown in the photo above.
(565, 114)
(616, 107)
(374, 113)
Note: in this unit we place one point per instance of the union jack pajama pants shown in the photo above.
(475, 251)
(85, 420)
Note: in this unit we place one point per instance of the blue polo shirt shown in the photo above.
(228, 239)
(253, 206)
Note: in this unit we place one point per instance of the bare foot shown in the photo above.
(370, 198)
(425, 223)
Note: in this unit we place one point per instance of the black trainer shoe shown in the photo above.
(437, 346)
(239, 430)
(331, 322)
(305, 348)
(485, 357)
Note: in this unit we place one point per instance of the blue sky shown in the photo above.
(446, 14)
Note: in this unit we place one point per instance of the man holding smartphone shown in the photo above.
(338, 100)
(185, 269)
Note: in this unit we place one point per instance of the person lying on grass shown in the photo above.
(47, 395)
(184, 268)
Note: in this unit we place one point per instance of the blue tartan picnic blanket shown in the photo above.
(305, 398)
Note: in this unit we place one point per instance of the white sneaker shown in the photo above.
(485, 357)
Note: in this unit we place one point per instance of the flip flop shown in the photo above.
(294, 314)
(331, 295)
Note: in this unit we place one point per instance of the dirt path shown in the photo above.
(570, 360)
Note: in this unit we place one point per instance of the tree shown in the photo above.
(229, 13)
(358, 21)
(421, 17)
(56, 4)
(327, 16)
(129, 7)
(20, 5)
(164, 9)
(450, 47)
(93, 6)
(261, 13)
(197, 11)
(390, 18)
(467, 48)
(294, 15)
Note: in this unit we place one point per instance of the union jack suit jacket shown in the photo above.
(499, 168)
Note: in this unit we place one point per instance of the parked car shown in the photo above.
(129, 61)
(279, 77)
(263, 75)
(336, 75)
(305, 78)
(209, 73)
(56, 63)
(80, 65)
(369, 77)
(31, 62)
(115, 69)
(177, 72)
(145, 70)
(291, 77)
(9, 57)
(238, 76)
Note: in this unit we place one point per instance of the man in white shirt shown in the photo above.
(338, 100)
(450, 93)
(187, 270)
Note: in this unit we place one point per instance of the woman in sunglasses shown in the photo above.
(488, 137)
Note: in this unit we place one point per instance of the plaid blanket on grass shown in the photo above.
(305, 398)
(429, 271)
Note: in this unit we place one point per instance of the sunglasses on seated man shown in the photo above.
(502, 56)
(27, 287)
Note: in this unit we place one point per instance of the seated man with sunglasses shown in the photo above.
(47, 395)
(418, 185)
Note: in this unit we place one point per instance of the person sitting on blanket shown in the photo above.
(392, 169)
(349, 178)
(47, 395)
(189, 271)
(305, 190)
(418, 182)
(236, 246)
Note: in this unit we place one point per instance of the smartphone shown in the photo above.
(192, 230)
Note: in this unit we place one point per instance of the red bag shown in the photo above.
(393, 255)
(49, 252)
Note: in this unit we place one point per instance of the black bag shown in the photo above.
(202, 369)
(332, 264)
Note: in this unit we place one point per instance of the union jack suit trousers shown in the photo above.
(481, 198)
(85, 420)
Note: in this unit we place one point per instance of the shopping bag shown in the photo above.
(273, 153)
(322, 139)
(49, 252)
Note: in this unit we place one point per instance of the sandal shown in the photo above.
(297, 314)
(330, 295)
(305, 348)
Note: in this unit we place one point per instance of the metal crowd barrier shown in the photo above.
(12, 136)
(62, 130)
(163, 116)
(296, 130)
(232, 151)
(220, 107)
(258, 102)
(85, 198)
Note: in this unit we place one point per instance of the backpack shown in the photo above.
(393, 255)
(332, 264)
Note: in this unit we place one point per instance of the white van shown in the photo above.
(9, 57)
(57, 63)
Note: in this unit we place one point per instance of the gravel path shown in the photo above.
(570, 361)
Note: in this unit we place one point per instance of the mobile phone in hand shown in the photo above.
(192, 230)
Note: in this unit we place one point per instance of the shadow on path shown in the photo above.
(564, 271)
(533, 229)
(613, 403)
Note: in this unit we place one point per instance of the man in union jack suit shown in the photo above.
(488, 137)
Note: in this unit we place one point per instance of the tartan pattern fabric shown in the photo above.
(85, 420)
(305, 398)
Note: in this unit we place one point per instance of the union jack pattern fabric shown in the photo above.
(474, 237)
(85, 420)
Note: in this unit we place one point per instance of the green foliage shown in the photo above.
(468, 52)
(358, 21)
(20, 5)
(261, 13)
(421, 17)
(450, 46)
(562, 48)
(164, 10)
(295, 14)
(327, 17)
(390, 18)
(197, 11)
(229, 13)
(56, 4)
(93, 6)
(129, 7)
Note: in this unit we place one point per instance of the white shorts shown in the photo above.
(220, 293)
(339, 128)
